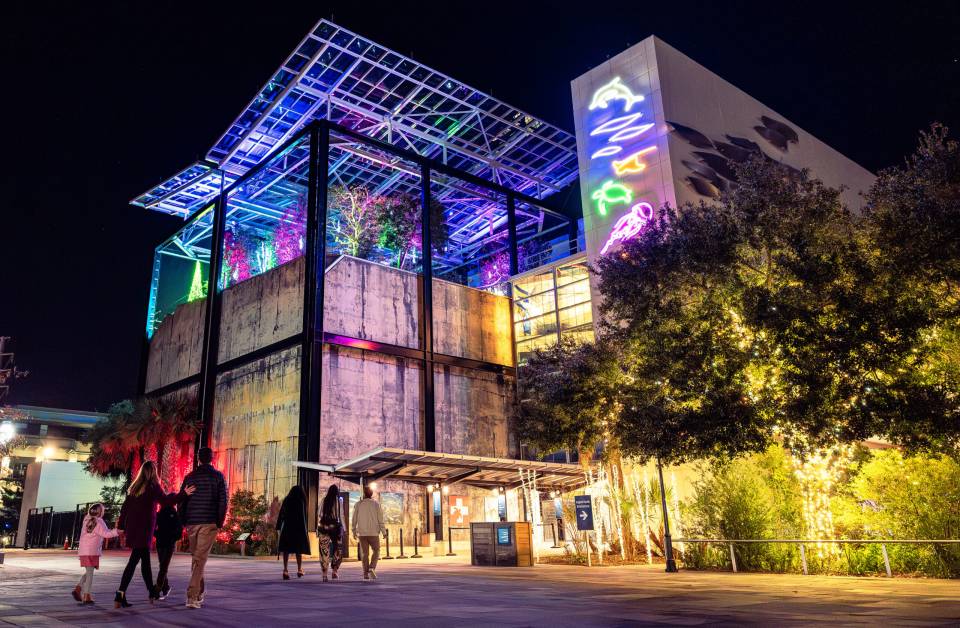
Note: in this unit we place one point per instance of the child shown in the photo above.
(92, 533)
(169, 531)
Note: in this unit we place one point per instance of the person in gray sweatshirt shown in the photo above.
(367, 526)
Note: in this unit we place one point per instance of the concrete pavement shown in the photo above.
(35, 590)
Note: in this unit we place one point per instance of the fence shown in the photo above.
(802, 543)
(46, 528)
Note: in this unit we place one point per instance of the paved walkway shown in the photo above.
(35, 590)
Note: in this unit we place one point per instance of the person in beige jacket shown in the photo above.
(367, 526)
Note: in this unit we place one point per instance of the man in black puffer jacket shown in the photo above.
(202, 514)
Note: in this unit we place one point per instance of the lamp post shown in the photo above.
(667, 541)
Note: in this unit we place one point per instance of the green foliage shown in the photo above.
(897, 497)
(776, 311)
(752, 497)
(567, 393)
(887, 496)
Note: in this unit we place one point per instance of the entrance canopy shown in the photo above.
(428, 467)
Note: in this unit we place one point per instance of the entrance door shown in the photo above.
(437, 516)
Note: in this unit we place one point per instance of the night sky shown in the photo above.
(103, 100)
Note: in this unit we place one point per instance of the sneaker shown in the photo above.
(193, 604)
(373, 574)
(164, 592)
(366, 576)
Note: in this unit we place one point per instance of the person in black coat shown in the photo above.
(169, 531)
(292, 524)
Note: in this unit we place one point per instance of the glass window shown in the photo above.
(537, 305)
(542, 236)
(534, 284)
(570, 273)
(181, 266)
(525, 349)
(573, 293)
(581, 334)
(546, 324)
(266, 217)
(575, 316)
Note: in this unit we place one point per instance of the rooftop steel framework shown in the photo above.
(337, 75)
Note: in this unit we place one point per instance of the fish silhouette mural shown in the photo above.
(716, 173)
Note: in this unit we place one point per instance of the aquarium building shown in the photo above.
(372, 247)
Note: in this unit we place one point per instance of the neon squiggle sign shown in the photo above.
(629, 225)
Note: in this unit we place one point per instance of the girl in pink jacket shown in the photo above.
(92, 533)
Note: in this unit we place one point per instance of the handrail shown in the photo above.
(888, 541)
(802, 542)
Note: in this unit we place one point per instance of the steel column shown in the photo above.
(311, 348)
(211, 327)
(426, 313)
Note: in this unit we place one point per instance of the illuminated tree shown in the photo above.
(353, 219)
(288, 237)
(399, 218)
(198, 287)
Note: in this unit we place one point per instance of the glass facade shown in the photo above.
(181, 266)
(550, 304)
(266, 216)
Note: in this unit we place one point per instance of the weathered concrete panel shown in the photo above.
(470, 323)
(474, 412)
(372, 302)
(262, 310)
(175, 349)
(256, 422)
(369, 401)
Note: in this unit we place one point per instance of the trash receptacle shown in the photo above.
(508, 544)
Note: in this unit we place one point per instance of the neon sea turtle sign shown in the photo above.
(621, 138)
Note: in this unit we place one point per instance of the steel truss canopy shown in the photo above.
(427, 468)
(340, 76)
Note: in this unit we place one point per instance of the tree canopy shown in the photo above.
(775, 312)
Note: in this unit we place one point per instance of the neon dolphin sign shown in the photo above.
(629, 225)
(614, 90)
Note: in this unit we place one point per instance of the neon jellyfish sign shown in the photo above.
(629, 225)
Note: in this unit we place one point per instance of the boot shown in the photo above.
(76, 593)
(87, 600)
(120, 601)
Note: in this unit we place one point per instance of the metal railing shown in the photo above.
(804, 542)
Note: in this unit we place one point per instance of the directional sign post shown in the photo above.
(583, 506)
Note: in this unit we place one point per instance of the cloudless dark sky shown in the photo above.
(101, 100)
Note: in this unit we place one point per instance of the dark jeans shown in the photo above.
(164, 555)
(142, 556)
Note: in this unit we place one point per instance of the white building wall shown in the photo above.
(676, 89)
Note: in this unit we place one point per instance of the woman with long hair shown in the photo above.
(292, 523)
(330, 533)
(138, 519)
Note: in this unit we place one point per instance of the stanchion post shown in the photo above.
(402, 555)
(388, 556)
(450, 541)
(416, 543)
